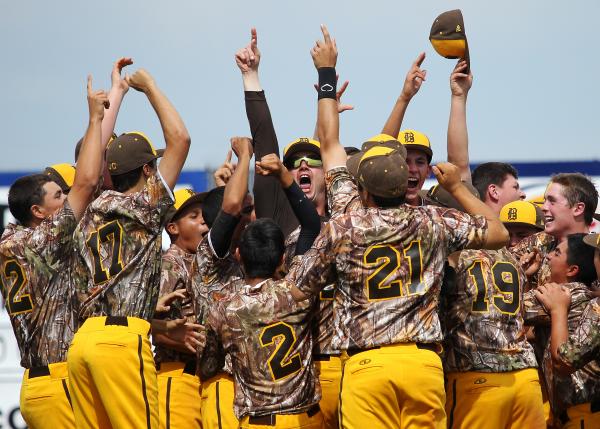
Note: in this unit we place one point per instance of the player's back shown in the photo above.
(119, 239)
(390, 264)
(483, 314)
(268, 336)
(36, 280)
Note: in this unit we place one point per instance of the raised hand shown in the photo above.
(338, 96)
(248, 58)
(225, 171)
(460, 82)
(116, 80)
(324, 53)
(242, 146)
(554, 297)
(141, 80)
(97, 101)
(414, 78)
(270, 165)
(448, 176)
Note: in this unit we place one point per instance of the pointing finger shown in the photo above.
(325, 32)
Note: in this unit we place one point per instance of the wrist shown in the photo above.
(327, 83)
(405, 98)
(460, 97)
(96, 119)
(558, 311)
(150, 88)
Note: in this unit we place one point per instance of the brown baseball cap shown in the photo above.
(438, 196)
(448, 36)
(130, 151)
(383, 172)
(593, 240)
(380, 140)
(62, 174)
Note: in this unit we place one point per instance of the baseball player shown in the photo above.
(111, 367)
(572, 269)
(37, 275)
(226, 212)
(389, 259)
(179, 387)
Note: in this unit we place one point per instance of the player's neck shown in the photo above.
(575, 228)
(255, 280)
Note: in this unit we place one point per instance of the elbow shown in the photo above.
(498, 236)
(181, 137)
(233, 208)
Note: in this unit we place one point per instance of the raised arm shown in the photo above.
(91, 155)
(458, 138)
(176, 135)
(116, 94)
(324, 55)
(412, 83)
(341, 106)
(448, 175)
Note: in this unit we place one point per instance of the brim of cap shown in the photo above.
(422, 148)
(160, 153)
(353, 162)
(597, 216)
(195, 199)
(592, 240)
(538, 227)
(301, 147)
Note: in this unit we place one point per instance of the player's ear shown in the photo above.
(237, 256)
(148, 170)
(492, 192)
(572, 271)
(173, 228)
(38, 212)
(578, 209)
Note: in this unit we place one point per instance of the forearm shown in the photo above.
(163, 340)
(497, 235)
(173, 128)
(115, 97)
(559, 334)
(306, 214)
(159, 326)
(251, 81)
(332, 152)
(394, 121)
(237, 187)
(264, 137)
(458, 139)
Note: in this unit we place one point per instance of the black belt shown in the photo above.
(39, 371)
(322, 358)
(270, 419)
(116, 320)
(189, 368)
(434, 347)
(595, 405)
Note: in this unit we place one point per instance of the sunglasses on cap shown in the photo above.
(311, 162)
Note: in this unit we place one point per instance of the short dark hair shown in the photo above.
(261, 247)
(384, 202)
(212, 205)
(27, 191)
(491, 173)
(126, 181)
(582, 255)
(578, 188)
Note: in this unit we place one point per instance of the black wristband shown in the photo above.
(327, 82)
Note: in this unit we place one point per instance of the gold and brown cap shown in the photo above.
(593, 240)
(522, 213)
(130, 151)
(448, 36)
(412, 139)
(383, 172)
(301, 144)
(62, 174)
(380, 140)
(185, 198)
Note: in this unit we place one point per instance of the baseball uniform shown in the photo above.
(568, 394)
(267, 335)
(37, 272)
(113, 376)
(491, 369)
(179, 388)
(389, 264)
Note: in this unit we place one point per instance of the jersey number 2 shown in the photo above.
(110, 232)
(506, 280)
(13, 270)
(280, 363)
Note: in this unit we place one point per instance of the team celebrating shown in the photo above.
(339, 293)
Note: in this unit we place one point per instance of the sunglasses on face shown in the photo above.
(311, 162)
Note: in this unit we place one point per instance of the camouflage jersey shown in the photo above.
(579, 387)
(119, 238)
(389, 264)
(584, 345)
(544, 244)
(37, 286)
(267, 334)
(483, 319)
(211, 279)
(175, 274)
